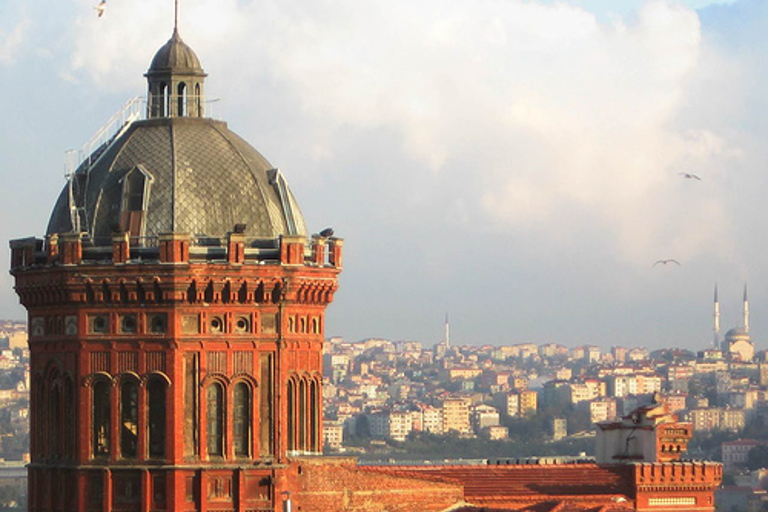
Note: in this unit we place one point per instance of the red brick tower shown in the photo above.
(176, 312)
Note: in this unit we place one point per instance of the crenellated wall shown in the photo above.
(684, 485)
(177, 375)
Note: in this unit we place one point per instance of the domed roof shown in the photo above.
(179, 174)
(175, 55)
(737, 332)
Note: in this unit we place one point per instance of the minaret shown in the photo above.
(447, 332)
(746, 311)
(717, 320)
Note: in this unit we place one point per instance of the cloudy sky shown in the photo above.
(516, 163)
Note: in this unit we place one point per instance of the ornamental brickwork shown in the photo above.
(173, 377)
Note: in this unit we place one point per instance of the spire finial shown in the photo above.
(176, 15)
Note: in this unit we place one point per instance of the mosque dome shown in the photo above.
(737, 333)
(176, 171)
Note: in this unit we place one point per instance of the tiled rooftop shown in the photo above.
(531, 487)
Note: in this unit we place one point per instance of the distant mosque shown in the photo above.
(737, 344)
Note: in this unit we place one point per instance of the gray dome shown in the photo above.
(737, 332)
(195, 176)
(175, 55)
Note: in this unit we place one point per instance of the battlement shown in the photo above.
(678, 473)
(175, 248)
(68, 268)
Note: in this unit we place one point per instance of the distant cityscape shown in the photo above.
(382, 398)
(397, 388)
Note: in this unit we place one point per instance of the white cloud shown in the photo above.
(11, 42)
(552, 110)
(560, 132)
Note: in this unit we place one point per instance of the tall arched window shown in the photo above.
(129, 418)
(156, 390)
(198, 101)
(165, 105)
(315, 326)
(38, 416)
(101, 410)
(314, 416)
(291, 415)
(241, 419)
(69, 418)
(182, 99)
(55, 425)
(302, 444)
(215, 420)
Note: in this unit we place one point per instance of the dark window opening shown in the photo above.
(101, 411)
(190, 403)
(198, 101)
(69, 419)
(241, 426)
(129, 419)
(266, 415)
(314, 417)
(156, 397)
(302, 416)
(215, 417)
(291, 415)
(182, 100)
(55, 425)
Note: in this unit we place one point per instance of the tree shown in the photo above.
(757, 458)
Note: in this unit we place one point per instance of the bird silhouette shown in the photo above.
(101, 8)
(326, 232)
(667, 262)
(689, 176)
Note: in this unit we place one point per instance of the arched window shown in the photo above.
(156, 390)
(38, 417)
(164, 106)
(182, 99)
(55, 425)
(302, 441)
(69, 418)
(129, 418)
(241, 420)
(215, 420)
(314, 416)
(198, 101)
(101, 410)
(291, 415)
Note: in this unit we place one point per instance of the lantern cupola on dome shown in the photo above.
(176, 81)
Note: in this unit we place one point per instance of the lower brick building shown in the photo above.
(649, 477)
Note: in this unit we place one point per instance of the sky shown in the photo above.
(516, 164)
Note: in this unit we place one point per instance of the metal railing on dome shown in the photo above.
(80, 161)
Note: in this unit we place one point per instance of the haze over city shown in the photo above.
(520, 164)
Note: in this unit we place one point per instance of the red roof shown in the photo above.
(531, 487)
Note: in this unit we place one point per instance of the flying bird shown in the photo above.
(689, 176)
(667, 262)
(101, 8)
